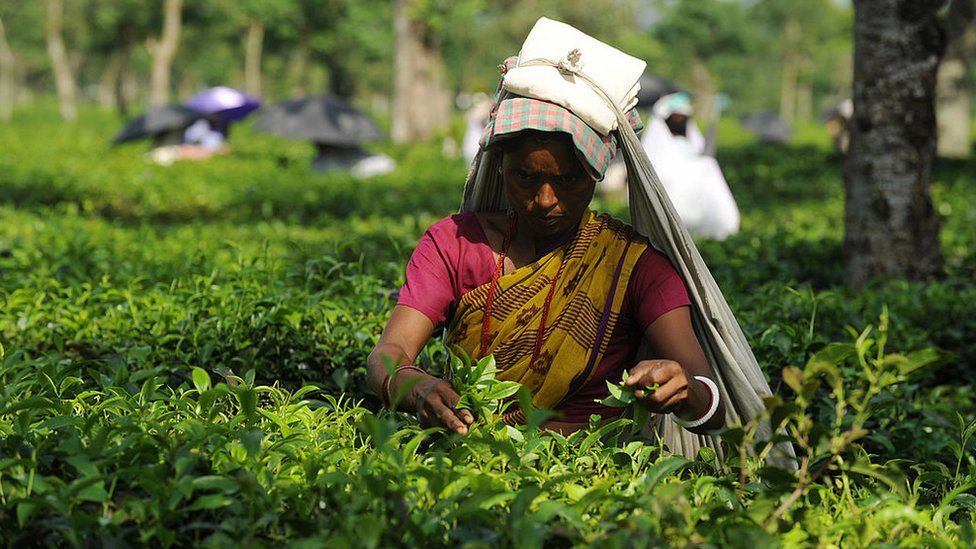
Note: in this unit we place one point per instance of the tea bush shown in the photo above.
(183, 347)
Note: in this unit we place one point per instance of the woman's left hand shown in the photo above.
(672, 385)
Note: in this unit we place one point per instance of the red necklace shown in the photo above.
(486, 322)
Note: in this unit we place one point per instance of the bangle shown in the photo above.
(712, 408)
(387, 386)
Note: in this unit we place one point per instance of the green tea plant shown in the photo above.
(182, 357)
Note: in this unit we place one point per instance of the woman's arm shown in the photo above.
(432, 398)
(680, 359)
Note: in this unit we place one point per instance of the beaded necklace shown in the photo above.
(486, 322)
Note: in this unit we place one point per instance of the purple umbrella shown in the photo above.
(227, 103)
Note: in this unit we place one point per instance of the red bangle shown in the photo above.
(387, 386)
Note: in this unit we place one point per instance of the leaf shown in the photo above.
(25, 510)
(487, 369)
(870, 470)
(306, 389)
(621, 393)
(201, 379)
(793, 377)
(248, 399)
(57, 422)
(215, 482)
(497, 499)
(664, 467)
(574, 492)
(503, 389)
(251, 439)
(707, 455)
(466, 402)
(30, 403)
(613, 402)
(90, 489)
(919, 359)
(210, 501)
(148, 390)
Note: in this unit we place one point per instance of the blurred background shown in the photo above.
(791, 57)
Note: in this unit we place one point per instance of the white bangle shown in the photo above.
(711, 409)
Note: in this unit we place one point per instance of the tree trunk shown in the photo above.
(790, 72)
(252, 57)
(954, 85)
(123, 90)
(421, 104)
(6, 76)
(298, 68)
(163, 50)
(804, 102)
(108, 82)
(188, 84)
(891, 227)
(64, 80)
(703, 83)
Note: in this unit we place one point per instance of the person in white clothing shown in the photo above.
(692, 179)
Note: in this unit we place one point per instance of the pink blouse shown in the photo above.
(454, 257)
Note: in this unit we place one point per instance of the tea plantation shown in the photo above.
(183, 349)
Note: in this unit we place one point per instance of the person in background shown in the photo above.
(203, 139)
(692, 179)
(837, 121)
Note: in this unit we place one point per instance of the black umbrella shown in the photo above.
(768, 127)
(326, 119)
(653, 88)
(158, 120)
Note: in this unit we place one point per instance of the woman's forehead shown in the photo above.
(540, 149)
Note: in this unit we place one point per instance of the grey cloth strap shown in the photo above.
(739, 378)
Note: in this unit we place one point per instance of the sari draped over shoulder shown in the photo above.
(584, 282)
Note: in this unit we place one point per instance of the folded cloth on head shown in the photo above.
(554, 43)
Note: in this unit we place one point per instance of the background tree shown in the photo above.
(803, 38)
(64, 78)
(891, 227)
(421, 102)
(255, 17)
(6, 74)
(700, 37)
(954, 87)
(117, 27)
(163, 49)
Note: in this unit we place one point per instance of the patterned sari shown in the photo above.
(575, 292)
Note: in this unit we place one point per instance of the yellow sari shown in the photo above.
(575, 291)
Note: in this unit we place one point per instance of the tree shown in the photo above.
(954, 87)
(810, 41)
(891, 227)
(64, 79)
(421, 104)
(256, 18)
(700, 35)
(117, 27)
(6, 75)
(163, 50)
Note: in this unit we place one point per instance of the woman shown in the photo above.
(563, 298)
(693, 180)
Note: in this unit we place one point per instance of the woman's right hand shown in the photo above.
(434, 400)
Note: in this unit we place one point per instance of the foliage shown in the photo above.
(182, 350)
(117, 455)
(347, 46)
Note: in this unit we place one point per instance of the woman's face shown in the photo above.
(547, 184)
